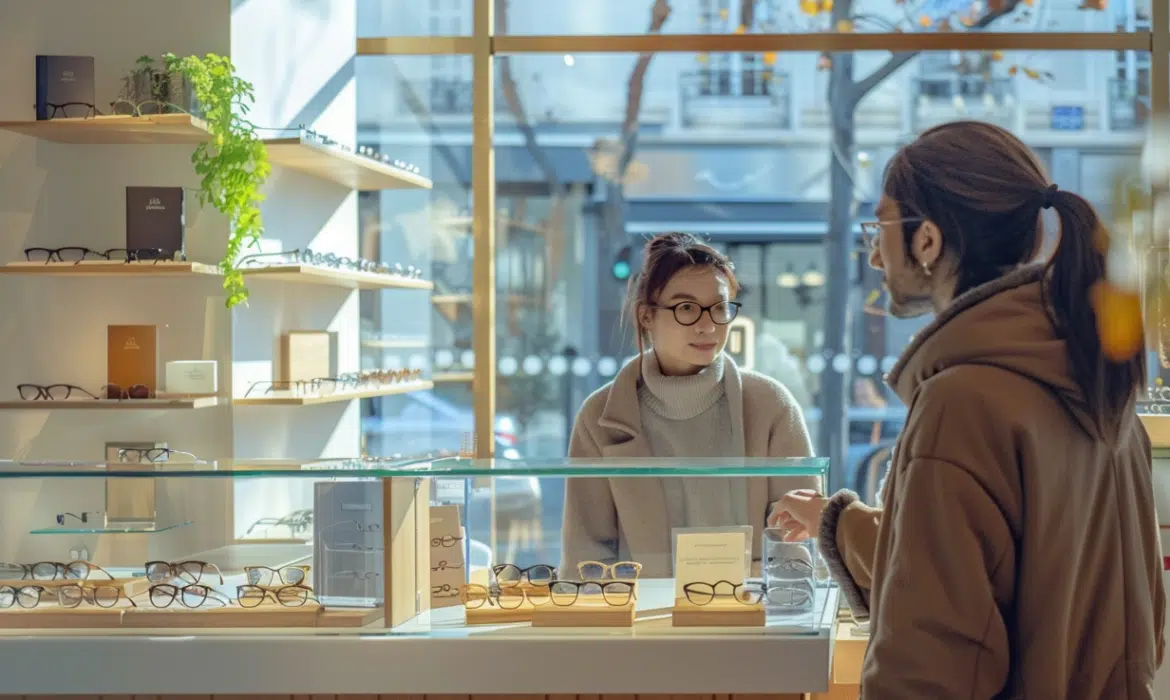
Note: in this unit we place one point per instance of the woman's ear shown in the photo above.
(645, 316)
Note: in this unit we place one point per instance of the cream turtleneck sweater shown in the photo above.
(690, 417)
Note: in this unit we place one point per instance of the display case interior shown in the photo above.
(446, 546)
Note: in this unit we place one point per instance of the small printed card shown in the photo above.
(709, 556)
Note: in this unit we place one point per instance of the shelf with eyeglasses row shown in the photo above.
(111, 404)
(209, 401)
(305, 274)
(337, 397)
(417, 467)
(111, 529)
(328, 162)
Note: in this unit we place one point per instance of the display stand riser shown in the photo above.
(587, 615)
(406, 541)
(685, 614)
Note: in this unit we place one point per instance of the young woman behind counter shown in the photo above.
(681, 397)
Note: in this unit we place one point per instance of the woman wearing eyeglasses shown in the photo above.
(1017, 551)
(681, 397)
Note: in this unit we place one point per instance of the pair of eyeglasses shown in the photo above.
(688, 313)
(68, 596)
(266, 576)
(65, 392)
(443, 566)
(790, 594)
(613, 593)
(871, 231)
(190, 571)
(50, 571)
(597, 571)
(194, 595)
(357, 525)
(153, 454)
(357, 575)
(145, 108)
(508, 575)
(77, 254)
(72, 110)
(82, 518)
(445, 541)
(474, 596)
(292, 596)
(702, 593)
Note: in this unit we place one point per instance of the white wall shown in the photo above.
(300, 57)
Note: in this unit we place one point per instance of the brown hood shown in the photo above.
(1000, 324)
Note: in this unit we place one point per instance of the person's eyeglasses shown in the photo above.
(871, 231)
(688, 313)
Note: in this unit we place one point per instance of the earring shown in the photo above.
(926, 269)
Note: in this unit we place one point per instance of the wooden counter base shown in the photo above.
(783, 696)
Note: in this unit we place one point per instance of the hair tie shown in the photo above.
(1049, 196)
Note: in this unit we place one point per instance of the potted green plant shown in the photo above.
(150, 89)
(233, 164)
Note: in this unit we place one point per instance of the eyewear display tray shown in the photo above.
(49, 616)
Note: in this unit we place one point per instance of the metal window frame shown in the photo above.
(483, 46)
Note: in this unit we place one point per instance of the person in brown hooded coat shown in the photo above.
(1016, 553)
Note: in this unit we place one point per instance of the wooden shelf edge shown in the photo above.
(105, 269)
(392, 390)
(115, 129)
(453, 377)
(355, 170)
(100, 404)
(1158, 427)
(339, 278)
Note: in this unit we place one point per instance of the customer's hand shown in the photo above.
(798, 514)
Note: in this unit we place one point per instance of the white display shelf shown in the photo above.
(102, 268)
(110, 404)
(648, 658)
(328, 162)
(312, 274)
(389, 390)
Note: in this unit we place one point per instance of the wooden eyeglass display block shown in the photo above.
(587, 611)
(717, 614)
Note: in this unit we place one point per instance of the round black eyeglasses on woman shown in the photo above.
(688, 313)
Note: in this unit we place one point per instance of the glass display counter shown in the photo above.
(266, 572)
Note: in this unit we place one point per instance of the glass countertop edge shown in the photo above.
(431, 469)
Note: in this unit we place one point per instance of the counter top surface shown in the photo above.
(433, 655)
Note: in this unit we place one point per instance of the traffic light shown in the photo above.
(621, 264)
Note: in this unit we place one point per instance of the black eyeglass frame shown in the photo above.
(709, 310)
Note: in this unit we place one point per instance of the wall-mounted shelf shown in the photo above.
(108, 269)
(111, 530)
(453, 377)
(355, 171)
(391, 390)
(116, 129)
(332, 163)
(127, 404)
(311, 274)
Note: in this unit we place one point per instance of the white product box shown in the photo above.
(198, 377)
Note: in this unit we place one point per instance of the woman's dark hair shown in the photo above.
(664, 256)
(984, 189)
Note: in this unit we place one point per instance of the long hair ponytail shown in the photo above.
(1077, 266)
(985, 190)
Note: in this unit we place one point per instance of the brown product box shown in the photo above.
(305, 355)
(132, 356)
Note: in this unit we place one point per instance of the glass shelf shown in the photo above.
(110, 530)
(427, 467)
